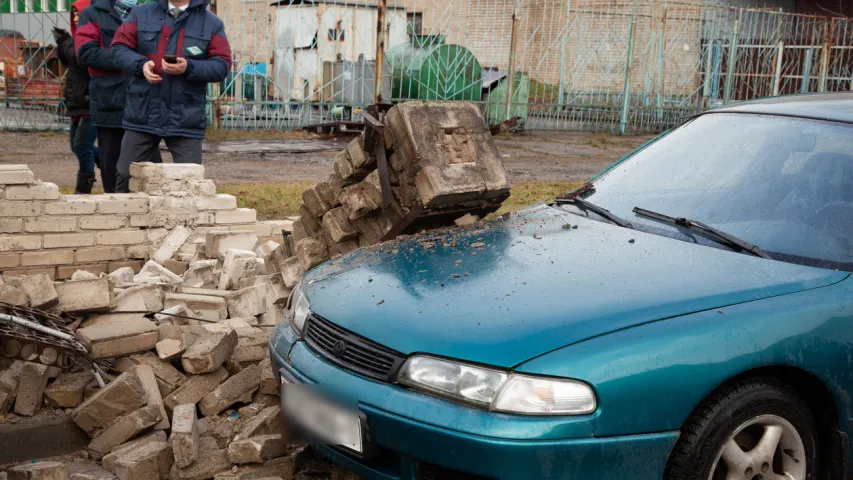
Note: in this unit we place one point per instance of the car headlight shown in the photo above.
(497, 390)
(299, 309)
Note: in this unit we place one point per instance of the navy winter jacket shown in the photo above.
(175, 107)
(108, 84)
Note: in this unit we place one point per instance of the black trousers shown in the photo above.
(109, 149)
(142, 147)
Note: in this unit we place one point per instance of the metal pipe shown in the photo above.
(732, 66)
(826, 50)
(563, 53)
(626, 89)
(36, 326)
(777, 81)
(512, 43)
(380, 51)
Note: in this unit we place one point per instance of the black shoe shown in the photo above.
(85, 181)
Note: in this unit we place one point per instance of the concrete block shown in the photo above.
(123, 395)
(21, 209)
(171, 244)
(266, 251)
(238, 388)
(67, 391)
(69, 240)
(122, 275)
(359, 159)
(185, 438)
(251, 348)
(299, 231)
(268, 385)
(177, 267)
(153, 272)
(38, 191)
(117, 204)
(83, 296)
(207, 307)
(314, 202)
(16, 175)
(71, 205)
(344, 169)
(39, 470)
(123, 429)
(31, 271)
(208, 353)
(151, 461)
(89, 472)
(216, 202)
(195, 388)
(449, 184)
(47, 257)
(13, 295)
(39, 288)
(19, 242)
(114, 339)
(145, 373)
(240, 215)
(142, 297)
(313, 225)
(237, 264)
(201, 274)
(10, 260)
(218, 243)
(248, 302)
(50, 224)
(102, 222)
(256, 449)
(338, 225)
(11, 225)
(164, 371)
(108, 461)
(81, 275)
(134, 265)
(99, 254)
(311, 252)
(215, 461)
(373, 227)
(269, 421)
(31, 388)
(121, 237)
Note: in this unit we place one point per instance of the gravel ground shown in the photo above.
(546, 156)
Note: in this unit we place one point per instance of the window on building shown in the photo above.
(415, 23)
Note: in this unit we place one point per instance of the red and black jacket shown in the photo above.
(175, 107)
(108, 84)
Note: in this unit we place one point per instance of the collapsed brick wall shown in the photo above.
(42, 231)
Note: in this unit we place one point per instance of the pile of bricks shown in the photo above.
(442, 163)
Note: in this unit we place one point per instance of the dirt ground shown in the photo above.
(545, 156)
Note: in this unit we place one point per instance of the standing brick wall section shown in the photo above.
(42, 231)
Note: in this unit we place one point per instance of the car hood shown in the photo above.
(503, 292)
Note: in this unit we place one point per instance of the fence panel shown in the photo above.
(619, 65)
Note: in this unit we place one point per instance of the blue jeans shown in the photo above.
(83, 135)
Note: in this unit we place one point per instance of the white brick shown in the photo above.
(277, 226)
(140, 252)
(156, 235)
(140, 220)
(260, 229)
(221, 201)
(20, 242)
(102, 222)
(171, 244)
(52, 224)
(47, 257)
(10, 260)
(241, 215)
(20, 209)
(11, 225)
(118, 204)
(181, 171)
(43, 191)
(16, 175)
(71, 205)
(72, 240)
(120, 237)
(99, 254)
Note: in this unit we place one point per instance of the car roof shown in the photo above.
(837, 107)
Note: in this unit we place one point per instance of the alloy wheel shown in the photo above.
(766, 447)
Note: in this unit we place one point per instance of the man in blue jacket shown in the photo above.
(166, 100)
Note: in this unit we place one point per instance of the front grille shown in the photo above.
(428, 471)
(351, 351)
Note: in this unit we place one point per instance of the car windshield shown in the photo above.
(783, 184)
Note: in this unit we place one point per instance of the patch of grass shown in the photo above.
(225, 134)
(528, 193)
(272, 201)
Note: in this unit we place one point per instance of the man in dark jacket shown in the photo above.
(98, 25)
(167, 100)
(76, 95)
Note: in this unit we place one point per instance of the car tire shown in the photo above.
(748, 408)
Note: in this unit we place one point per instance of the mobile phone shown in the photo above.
(171, 59)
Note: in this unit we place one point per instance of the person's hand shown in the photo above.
(60, 34)
(175, 68)
(148, 72)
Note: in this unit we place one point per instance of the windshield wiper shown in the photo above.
(591, 207)
(707, 231)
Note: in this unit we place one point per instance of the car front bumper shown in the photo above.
(415, 446)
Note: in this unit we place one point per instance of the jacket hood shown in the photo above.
(507, 291)
(78, 6)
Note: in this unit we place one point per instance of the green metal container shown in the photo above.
(496, 100)
(429, 69)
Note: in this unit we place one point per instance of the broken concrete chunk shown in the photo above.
(39, 471)
(238, 388)
(311, 252)
(108, 461)
(151, 461)
(268, 384)
(251, 348)
(83, 275)
(185, 436)
(164, 371)
(114, 339)
(13, 295)
(90, 472)
(269, 421)
(82, 296)
(215, 461)
(195, 388)
(31, 386)
(122, 275)
(123, 429)
(357, 203)
(210, 308)
(467, 219)
(338, 225)
(248, 302)
(218, 243)
(145, 373)
(121, 396)
(209, 353)
(201, 274)
(173, 315)
(170, 245)
(237, 264)
(67, 391)
(359, 159)
(449, 184)
(256, 449)
(171, 349)
(39, 288)
(314, 202)
(153, 272)
(151, 296)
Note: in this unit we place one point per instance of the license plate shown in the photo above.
(321, 418)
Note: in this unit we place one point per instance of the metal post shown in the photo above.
(626, 89)
(217, 102)
(662, 59)
(807, 70)
(511, 73)
(777, 73)
(380, 50)
(826, 50)
(732, 66)
(563, 53)
(709, 53)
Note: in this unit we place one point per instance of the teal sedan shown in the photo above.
(687, 314)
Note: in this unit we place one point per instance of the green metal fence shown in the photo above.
(617, 65)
